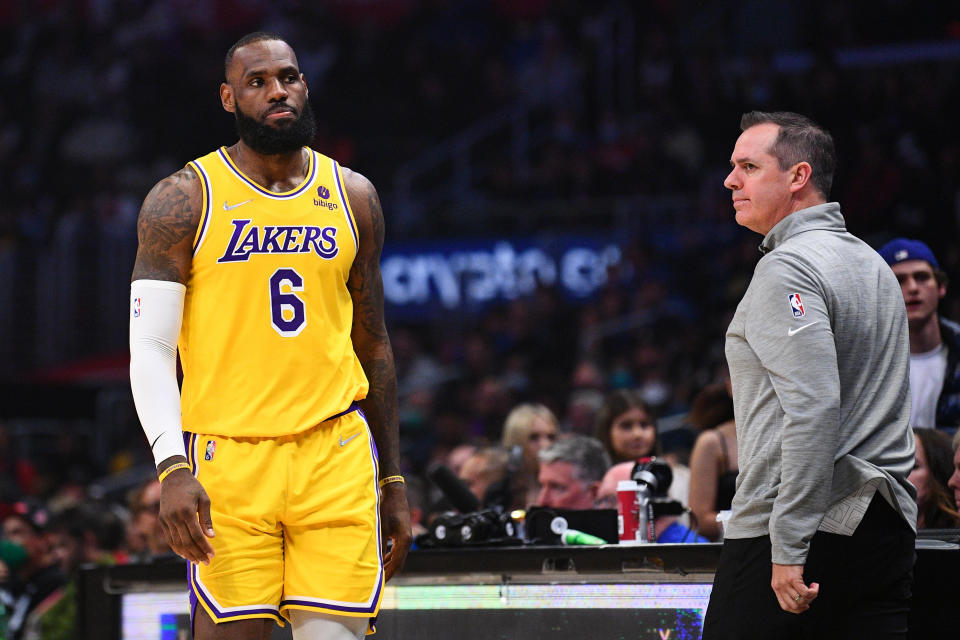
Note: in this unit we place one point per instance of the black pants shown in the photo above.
(864, 581)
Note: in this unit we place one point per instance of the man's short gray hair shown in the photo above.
(587, 455)
(800, 139)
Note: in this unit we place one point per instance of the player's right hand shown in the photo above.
(185, 516)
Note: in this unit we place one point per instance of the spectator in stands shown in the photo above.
(713, 463)
(934, 340)
(484, 468)
(528, 430)
(581, 411)
(931, 473)
(36, 586)
(146, 534)
(954, 482)
(459, 454)
(87, 533)
(666, 528)
(626, 426)
(490, 401)
(587, 375)
(570, 472)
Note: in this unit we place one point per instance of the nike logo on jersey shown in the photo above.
(227, 207)
(793, 332)
(343, 442)
(250, 239)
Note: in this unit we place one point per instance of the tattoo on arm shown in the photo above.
(166, 228)
(365, 283)
(370, 337)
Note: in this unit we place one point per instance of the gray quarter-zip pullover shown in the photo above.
(819, 359)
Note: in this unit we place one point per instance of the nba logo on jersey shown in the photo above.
(211, 449)
(796, 305)
(136, 307)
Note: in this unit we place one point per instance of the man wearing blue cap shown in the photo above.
(934, 341)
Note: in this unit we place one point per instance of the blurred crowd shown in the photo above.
(43, 544)
(112, 95)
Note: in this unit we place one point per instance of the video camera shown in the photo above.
(487, 527)
(653, 474)
(473, 525)
(653, 478)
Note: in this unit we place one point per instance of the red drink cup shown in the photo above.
(628, 512)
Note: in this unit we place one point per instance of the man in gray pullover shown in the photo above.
(821, 540)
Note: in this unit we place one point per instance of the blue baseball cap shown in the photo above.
(900, 249)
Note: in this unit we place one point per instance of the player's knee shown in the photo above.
(313, 625)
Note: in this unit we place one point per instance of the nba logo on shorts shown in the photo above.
(796, 305)
(211, 448)
(136, 307)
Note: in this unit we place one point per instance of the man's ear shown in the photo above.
(802, 172)
(226, 97)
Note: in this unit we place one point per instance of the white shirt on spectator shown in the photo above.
(927, 371)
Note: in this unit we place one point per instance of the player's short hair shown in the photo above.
(587, 456)
(250, 38)
(800, 139)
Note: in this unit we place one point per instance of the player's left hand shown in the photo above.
(395, 525)
(792, 592)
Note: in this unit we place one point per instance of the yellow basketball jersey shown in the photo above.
(265, 343)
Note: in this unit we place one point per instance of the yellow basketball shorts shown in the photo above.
(296, 519)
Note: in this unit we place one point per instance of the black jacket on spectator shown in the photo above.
(948, 406)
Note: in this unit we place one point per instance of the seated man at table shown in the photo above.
(570, 472)
(666, 528)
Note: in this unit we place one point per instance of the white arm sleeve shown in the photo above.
(156, 311)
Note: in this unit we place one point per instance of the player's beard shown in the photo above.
(273, 140)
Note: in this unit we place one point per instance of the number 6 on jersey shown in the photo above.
(288, 315)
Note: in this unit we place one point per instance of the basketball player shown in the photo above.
(260, 261)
